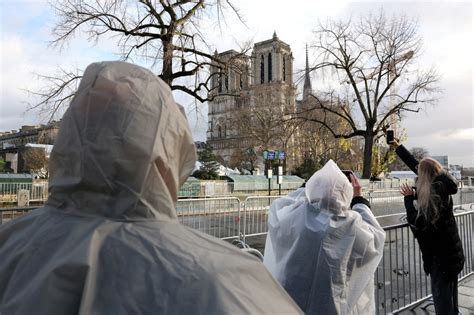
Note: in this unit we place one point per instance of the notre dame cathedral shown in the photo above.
(254, 99)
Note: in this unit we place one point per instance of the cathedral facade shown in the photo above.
(252, 97)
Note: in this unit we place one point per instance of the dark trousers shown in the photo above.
(445, 291)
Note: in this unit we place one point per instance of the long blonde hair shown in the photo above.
(427, 200)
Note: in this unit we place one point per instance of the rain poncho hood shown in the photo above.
(321, 251)
(108, 240)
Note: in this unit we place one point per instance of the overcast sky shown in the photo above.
(446, 28)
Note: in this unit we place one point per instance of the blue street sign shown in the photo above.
(282, 155)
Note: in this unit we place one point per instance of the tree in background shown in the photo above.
(382, 158)
(164, 33)
(245, 160)
(209, 164)
(418, 152)
(370, 65)
(317, 142)
(309, 166)
(35, 161)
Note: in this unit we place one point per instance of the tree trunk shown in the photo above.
(167, 73)
(369, 142)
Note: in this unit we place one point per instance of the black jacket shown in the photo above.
(439, 242)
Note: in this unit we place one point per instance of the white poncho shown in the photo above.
(108, 240)
(323, 253)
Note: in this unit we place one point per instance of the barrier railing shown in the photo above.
(219, 217)
(385, 202)
(255, 216)
(221, 188)
(400, 281)
(37, 192)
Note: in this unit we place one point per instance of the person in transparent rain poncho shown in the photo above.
(108, 240)
(324, 245)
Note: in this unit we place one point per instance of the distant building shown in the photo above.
(13, 143)
(443, 160)
(41, 134)
(262, 82)
(254, 108)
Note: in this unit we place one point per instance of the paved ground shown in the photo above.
(465, 295)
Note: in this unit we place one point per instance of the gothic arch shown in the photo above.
(270, 78)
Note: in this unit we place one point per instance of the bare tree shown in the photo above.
(371, 64)
(418, 152)
(266, 123)
(245, 160)
(317, 142)
(165, 32)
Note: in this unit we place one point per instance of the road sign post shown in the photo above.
(280, 178)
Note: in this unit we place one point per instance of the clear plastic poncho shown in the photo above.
(323, 253)
(108, 240)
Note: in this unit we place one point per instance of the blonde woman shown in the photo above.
(429, 209)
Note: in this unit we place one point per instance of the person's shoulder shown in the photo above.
(445, 180)
(359, 202)
(27, 220)
(443, 177)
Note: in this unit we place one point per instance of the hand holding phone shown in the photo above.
(348, 174)
(357, 188)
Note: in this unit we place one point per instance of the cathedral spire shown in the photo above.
(307, 89)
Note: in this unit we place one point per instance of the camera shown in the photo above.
(390, 137)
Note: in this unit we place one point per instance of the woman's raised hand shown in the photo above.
(406, 190)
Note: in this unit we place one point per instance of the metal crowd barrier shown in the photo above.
(385, 202)
(219, 217)
(220, 188)
(226, 217)
(400, 281)
(256, 215)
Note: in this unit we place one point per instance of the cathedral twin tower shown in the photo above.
(249, 86)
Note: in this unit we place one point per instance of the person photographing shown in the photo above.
(324, 244)
(429, 208)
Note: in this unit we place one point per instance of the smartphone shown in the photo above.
(389, 136)
(348, 174)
